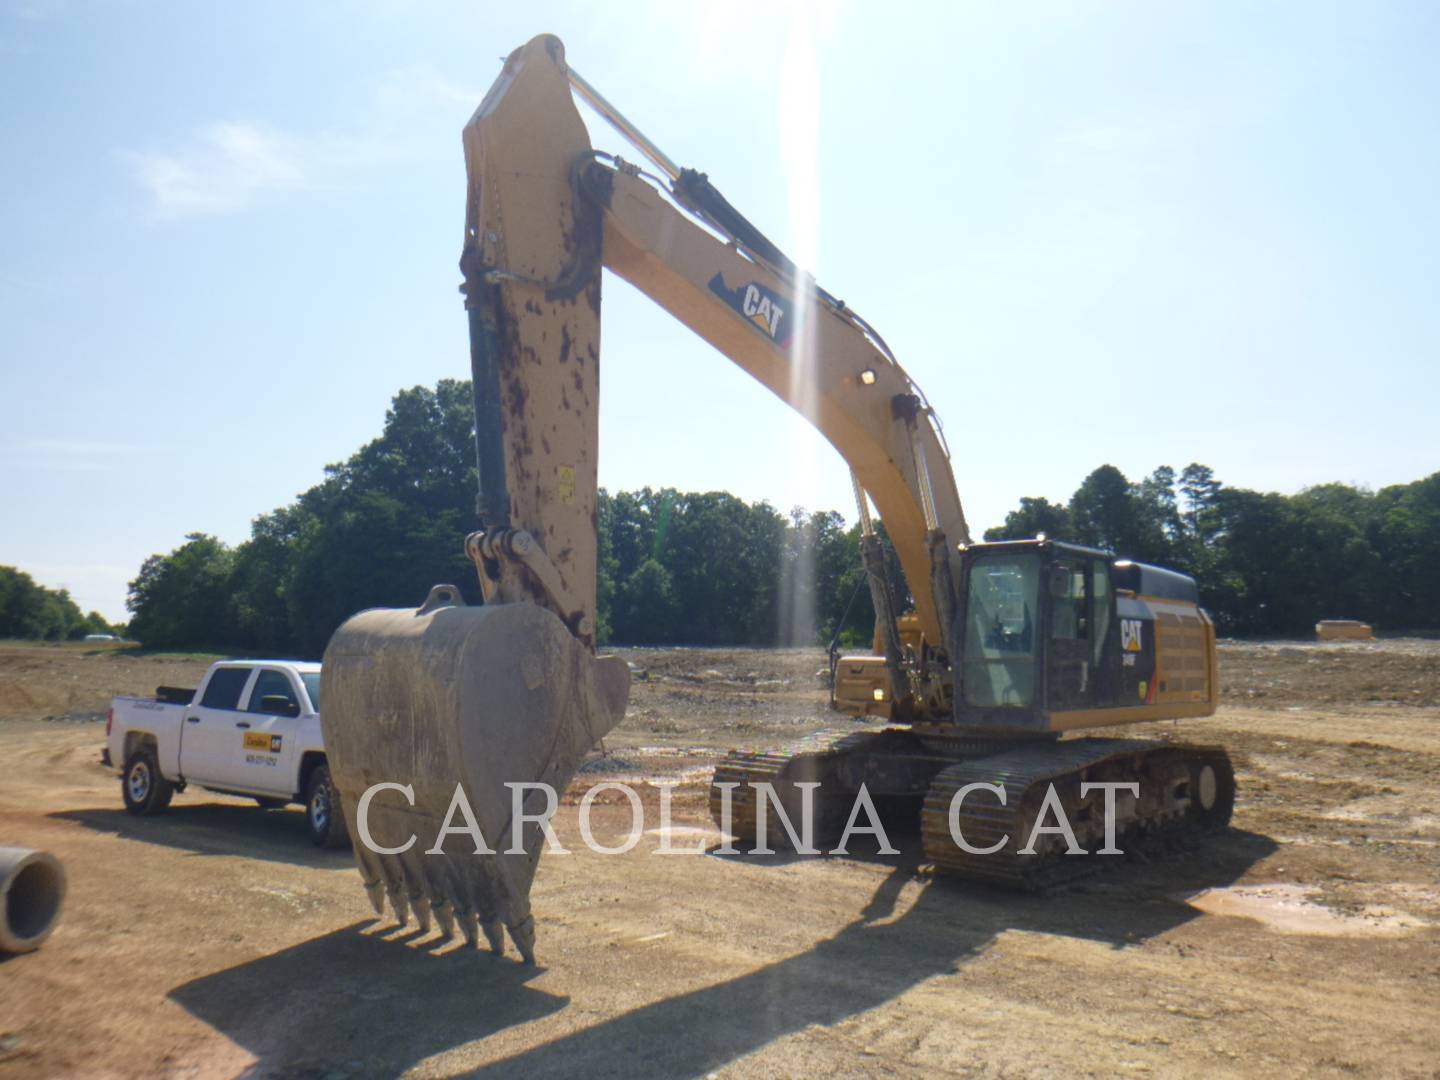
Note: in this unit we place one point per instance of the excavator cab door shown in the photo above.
(1000, 628)
(1069, 649)
(1038, 634)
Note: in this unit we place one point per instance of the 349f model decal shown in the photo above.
(762, 307)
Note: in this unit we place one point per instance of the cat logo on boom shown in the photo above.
(763, 307)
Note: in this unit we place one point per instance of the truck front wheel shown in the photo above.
(145, 791)
(323, 811)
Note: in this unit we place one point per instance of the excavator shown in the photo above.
(989, 657)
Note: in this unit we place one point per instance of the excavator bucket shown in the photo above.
(492, 706)
(461, 710)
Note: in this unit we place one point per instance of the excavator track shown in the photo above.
(1184, 791)
(810, 759)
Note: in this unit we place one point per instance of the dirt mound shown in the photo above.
(1393, 672)
(77, 678)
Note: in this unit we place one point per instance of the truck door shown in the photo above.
(265, 748)
(210, 736)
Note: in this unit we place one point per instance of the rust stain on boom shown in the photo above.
(532, 250)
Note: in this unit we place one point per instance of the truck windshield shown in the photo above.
(1000, 638)
(311, 679)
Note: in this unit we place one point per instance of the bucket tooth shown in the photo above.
(421, 907)
(372, 875)
(417, 881)
(375, 890)
(399, 903)
(444, 917)
(481, 893)
(495, 934)
(461, 910)
(523, 935)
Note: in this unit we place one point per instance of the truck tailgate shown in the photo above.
(160, 719)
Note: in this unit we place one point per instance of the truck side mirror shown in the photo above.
(279, 705)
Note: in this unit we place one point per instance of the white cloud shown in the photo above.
(233, 165)
(1103, 138)
(73, 455)
(226, 168)
(418, 89)
(1148, 139)
(80, 446)
(39, 10)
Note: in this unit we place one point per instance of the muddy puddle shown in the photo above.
(1296, 909)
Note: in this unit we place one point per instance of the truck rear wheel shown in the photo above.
(323, 811)
(143, 788)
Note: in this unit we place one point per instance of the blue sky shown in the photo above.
(1134, 233)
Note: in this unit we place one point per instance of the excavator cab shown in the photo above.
(1051, 637)
(1046, 637)
(1037, 632)
(1057, 636)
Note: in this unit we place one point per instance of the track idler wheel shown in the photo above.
(1212, 789)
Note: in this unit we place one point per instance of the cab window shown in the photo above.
(1069, 602)
(223, 689)
(1100, 602)
(273, 684)
(1001, 630)
(311, 679)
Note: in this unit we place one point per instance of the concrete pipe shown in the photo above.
(32, 887)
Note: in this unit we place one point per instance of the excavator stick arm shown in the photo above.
(532, 291)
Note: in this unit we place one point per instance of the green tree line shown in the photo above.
(386, 525)
(708, 568)
(1267, 564)
(29, 610)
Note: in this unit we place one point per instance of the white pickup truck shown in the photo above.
(251, 728)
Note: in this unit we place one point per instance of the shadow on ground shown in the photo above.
(416, 1009)
(872, 961)
(352, 1004)
(218, 829)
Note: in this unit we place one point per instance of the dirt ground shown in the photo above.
(214, 941)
